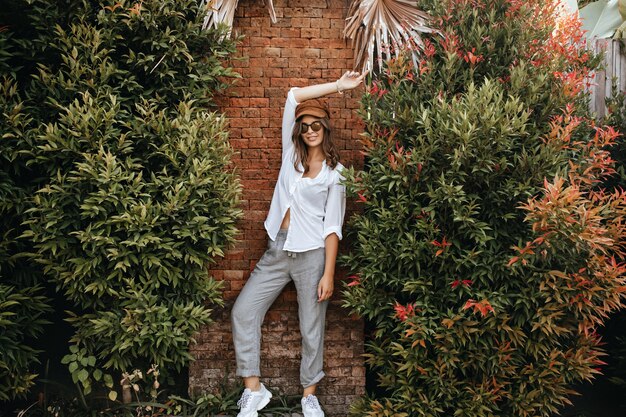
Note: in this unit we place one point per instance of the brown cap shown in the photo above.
(314, 107)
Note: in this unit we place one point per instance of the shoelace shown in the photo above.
(243, 401)
(311, 401)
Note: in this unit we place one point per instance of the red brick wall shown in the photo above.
(303, 47)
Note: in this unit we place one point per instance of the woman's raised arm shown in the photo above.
(348, 81)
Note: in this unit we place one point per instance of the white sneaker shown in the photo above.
(311, 407)
(252, 401)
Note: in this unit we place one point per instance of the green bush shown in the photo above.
(21, 319)
(484, 257)
(22, 304)
(136, 195)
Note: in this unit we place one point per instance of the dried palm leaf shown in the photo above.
(270, 8)
(219, 11)
(383, 28)
(223, 11)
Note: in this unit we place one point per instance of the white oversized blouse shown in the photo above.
(317, 204)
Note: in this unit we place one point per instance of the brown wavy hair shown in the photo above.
(302, 152)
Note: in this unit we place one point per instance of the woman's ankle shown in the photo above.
(252, 383)
(309, 391)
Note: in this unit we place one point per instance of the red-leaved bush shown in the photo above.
(487, 253)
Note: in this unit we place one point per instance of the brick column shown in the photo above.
(303, 47)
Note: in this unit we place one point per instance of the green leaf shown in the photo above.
(97, 374)
(83, 375)
(112, 395)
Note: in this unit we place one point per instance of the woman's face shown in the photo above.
(312, 138)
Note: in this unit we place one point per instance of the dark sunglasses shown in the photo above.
(315, 126)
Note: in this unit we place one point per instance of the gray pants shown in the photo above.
(273, 271)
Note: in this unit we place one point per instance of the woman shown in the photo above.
(304, 226)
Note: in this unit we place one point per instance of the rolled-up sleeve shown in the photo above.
(335, 209)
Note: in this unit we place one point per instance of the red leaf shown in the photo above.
(404, 312)
(356, 280)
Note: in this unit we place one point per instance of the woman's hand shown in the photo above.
(325, 288)
(350, 80)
